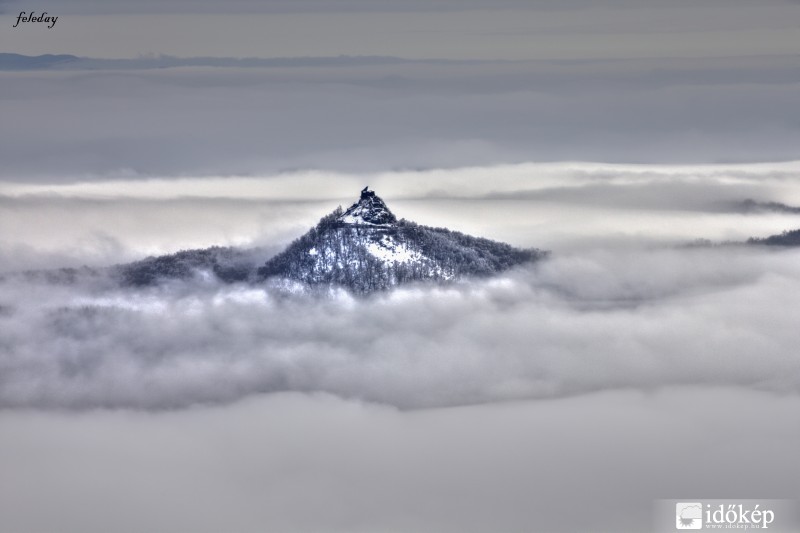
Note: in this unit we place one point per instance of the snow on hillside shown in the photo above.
(389, 250)
(366, 248)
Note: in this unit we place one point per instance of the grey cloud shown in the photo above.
(687, 196)
(598, 314)
(347, 6)
(576, 323)
(51, 231)
(617, 372)
(206, 408)
(409, 115)
(266, 464)
(290, 6)
(552, 206)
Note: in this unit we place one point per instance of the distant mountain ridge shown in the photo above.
(10, 61)
(45, 61)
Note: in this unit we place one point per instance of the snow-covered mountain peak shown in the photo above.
(369, 210)
(366, 249)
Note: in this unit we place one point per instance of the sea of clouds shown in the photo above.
(566, 395)
(621, 302)
(575, 323)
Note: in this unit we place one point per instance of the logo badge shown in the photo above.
(689, 515)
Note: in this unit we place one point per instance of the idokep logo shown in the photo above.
(689, 515)
(773, 516)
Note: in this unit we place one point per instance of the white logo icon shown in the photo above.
(689, 515)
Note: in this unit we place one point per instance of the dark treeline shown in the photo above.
(787, 238)
(226, 263)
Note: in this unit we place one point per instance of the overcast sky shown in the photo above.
(476, 29)
(614, 80)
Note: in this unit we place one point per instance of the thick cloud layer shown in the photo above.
(620, 303)
(563, 397)
(594, 320)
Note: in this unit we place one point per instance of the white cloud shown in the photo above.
(558, 206)
(239, 408)
(581, 321)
